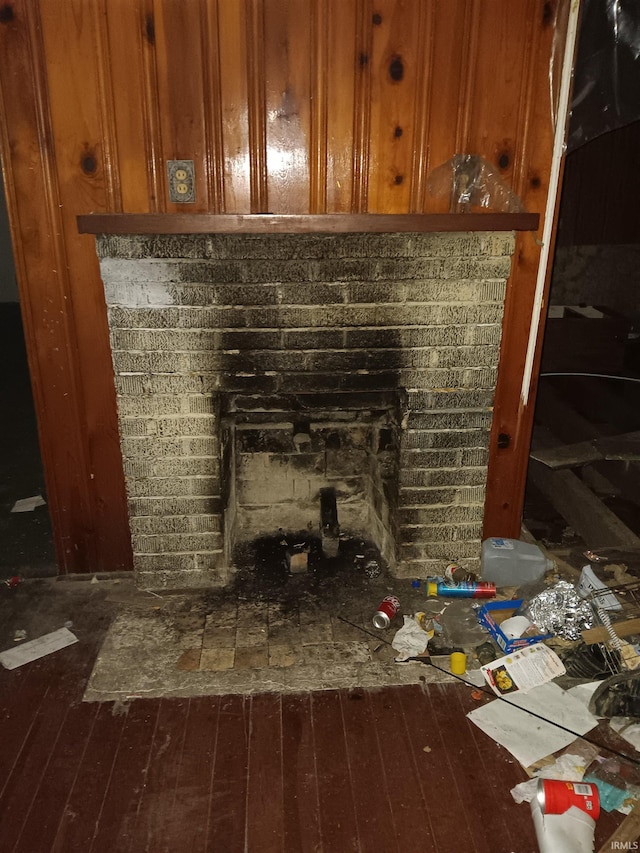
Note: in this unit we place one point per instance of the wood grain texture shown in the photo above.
(124, 223)
(285, 106)
(393, 769)
(83, 166)
(507, 474)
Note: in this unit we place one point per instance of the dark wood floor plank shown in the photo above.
(227, 810)
(160, 778)
(486, 806)
(337, 809)
(43, 816)
(78, 820)
(410, 815)
(429, 748)
(119, 810)
(265, 792)
(25, 699)
(187, 818)
(61, 673)
(501, 773)
(372, 800)
(301, 805)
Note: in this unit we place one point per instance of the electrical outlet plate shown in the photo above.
(182, 183)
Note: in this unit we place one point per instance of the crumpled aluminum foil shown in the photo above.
(561, 611)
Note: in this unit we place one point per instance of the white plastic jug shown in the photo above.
(510, 562)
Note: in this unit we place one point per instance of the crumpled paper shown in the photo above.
(410, 640)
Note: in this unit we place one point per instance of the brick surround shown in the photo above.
(219, 338)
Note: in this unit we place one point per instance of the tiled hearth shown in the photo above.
(253, 371)
(307, 635)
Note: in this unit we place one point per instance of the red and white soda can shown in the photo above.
(555, 796)
(388, 608)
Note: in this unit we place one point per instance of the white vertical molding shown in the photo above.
(559, 144)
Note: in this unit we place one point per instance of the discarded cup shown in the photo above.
(458, 663)
(555, 796)
(515, 627)
(387, 609)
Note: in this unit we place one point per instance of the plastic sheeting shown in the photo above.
(606, 90)
(469, 182)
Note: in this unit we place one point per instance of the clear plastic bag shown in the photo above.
(606, 89)
(471, 182)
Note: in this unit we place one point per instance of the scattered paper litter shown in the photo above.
(529, 738)
(410, 640)
(28, 504)
(523, 669)
(584, 692)
(38, 648)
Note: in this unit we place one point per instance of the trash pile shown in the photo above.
(555, 658)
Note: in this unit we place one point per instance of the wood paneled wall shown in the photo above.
(285, 106)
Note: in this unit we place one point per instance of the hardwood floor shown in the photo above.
(398, 770)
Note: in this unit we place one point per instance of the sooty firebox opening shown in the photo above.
(331, 476)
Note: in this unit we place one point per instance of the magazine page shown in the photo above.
(523, 670)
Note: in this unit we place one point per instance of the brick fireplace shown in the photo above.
(254, 371)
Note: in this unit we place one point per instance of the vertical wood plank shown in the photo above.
(507, 471)
(362, 107)
(372, 798)
(257, 108)
(451, 827)
(395, 81)
(125, 779)
(21, 705)
(39, 745)
(112, 170)
(135, 152)
(425, 50)
(160, 778)
(181, 97)
(228, 806)
(237, 138)
(470, 48)
(287, 48)
(39, 219)
(493, 773)
(319, 105)
(411, 818)
(342, 68)
(337, 809)
(265, 800)
(190, 811)
(69, 31)
(41, 813)
(300, 783)
(499, 84)
(78, 818)
(156, 173)
(490, 812)
(211, 72)
(452, 44)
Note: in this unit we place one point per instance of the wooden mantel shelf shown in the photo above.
(331, 223)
